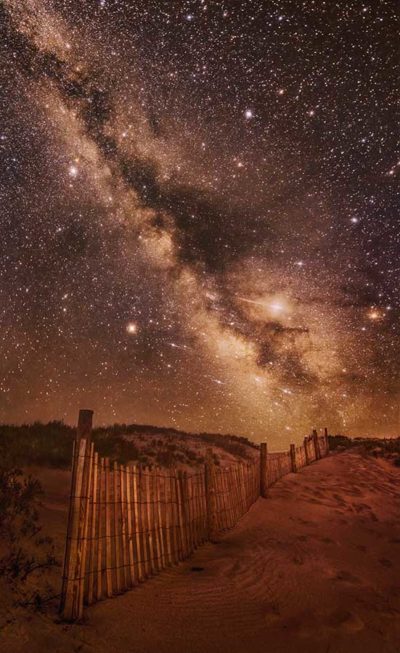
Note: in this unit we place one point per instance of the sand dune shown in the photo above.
(313, 568)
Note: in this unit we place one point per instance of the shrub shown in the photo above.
(339, 441)
(23, 550)
(164, 458)
(36, 444)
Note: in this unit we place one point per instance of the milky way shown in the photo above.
(198, 214)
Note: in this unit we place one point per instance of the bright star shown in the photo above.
(374, 314)
(132, 328)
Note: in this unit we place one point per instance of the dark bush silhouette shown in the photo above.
(23, 550)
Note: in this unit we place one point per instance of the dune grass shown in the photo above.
(50, 445)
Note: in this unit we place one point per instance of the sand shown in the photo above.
(313, 568)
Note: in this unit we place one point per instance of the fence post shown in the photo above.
(306, 450)
(326, 441)
(263, 469)
(85, 420)
(107, 529)
(210, 495)
(316, 444)
(293, 457)
(71, 606)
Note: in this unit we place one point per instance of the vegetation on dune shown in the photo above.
(377, 447)
(25, 553)
(36, 444)
(50, 444)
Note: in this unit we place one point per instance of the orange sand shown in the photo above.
(312, 569)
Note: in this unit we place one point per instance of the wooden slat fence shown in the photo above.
(128, 522)
(237, 487)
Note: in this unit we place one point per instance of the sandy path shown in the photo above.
(314, 568)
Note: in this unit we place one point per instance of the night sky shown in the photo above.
(198, 214)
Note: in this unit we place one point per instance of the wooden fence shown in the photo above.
(128, 522)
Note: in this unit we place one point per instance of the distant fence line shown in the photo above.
(128, 522)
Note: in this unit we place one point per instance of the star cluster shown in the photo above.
(198, 214)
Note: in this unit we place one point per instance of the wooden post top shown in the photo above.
(85, 420)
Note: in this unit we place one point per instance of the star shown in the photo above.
(197, 217)
(132, 328)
